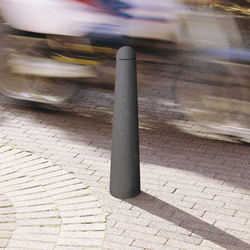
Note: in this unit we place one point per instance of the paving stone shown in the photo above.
(113, 245)
(79, 242)
(6, 204)
(37, 208)
(38, 215)
(14, 182)
(8, 226)
(85, 205)
(61, 177)
(76, 248)
(3, 243)
(83, 235)
(30, 197)
(82, 212)
(41, 222)
(31, 245)
(67, 189)
(9, 153)
(146, 230)
(82, 199)
(39, 172)
(39, 230)
(36, 202)
(84, 219)
(63, 184)
(184, 245)
(35, 163)
(7, 218)
(71, 194)
(147, 237)
(20, 236)
(32, 190)
(96, 226)
(39, 165)
(16, 157)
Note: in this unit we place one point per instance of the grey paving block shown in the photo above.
(31, 216)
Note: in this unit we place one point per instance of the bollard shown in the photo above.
(125, 159)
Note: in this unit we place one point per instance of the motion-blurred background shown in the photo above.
(51, 49)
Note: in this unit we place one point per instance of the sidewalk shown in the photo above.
(44, 206)
(195, 191)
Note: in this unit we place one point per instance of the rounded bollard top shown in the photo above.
(126, 53)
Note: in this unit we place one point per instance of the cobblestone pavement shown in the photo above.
(54, 176)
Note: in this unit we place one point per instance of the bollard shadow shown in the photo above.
(191, 224)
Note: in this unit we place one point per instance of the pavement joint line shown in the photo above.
(52, 209)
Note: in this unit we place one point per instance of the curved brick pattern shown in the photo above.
(53, 210)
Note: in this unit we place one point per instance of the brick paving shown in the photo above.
(195, 191)
(44, 206)
(54, 181)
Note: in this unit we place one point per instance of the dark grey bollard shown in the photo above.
(125, 159)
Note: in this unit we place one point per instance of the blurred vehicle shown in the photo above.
(134, 18)
(215, 93)
(214, 90)
(54, 41)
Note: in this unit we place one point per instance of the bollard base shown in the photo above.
(125, 196)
